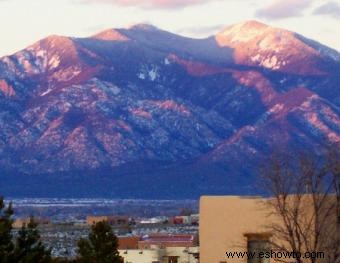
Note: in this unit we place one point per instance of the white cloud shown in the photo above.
(330, 9)
(158, 4)
(201, 31)
(284, 9)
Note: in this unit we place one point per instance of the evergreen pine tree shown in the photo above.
(101, 246)
(28, 246)
(6, 244)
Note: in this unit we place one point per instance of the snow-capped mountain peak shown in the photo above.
(244, 31)
(257, 44)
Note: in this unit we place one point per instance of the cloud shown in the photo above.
(331, 9)
(202, 31)
(158, 4)
(284, 8)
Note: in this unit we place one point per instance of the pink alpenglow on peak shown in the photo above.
(111, 35)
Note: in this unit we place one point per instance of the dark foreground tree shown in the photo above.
(6, 244)
(304, 192)
(100, 247)
(28, 246)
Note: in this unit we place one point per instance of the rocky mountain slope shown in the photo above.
(141, 112)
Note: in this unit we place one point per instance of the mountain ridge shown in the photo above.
(184, 111)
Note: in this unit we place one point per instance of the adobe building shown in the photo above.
(157, 254)
(241, 224)
(167, 240)
(159, 248)
(224, 220)
(19, 222)
(186, 220)
(112, 220)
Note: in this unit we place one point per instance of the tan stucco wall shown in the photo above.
(225, 219)
(223, 222)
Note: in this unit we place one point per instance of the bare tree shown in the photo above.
(304, 200)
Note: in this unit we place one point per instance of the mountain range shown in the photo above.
(142, 112)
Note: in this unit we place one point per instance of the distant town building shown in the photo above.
(178, 220)
(155, 220)
(186, 220)
(18, 223)
(112, 220)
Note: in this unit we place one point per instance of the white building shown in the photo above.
(157, 254)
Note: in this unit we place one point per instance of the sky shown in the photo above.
(23, 22)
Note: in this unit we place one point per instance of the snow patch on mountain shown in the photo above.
(277, 108)
(54, 62)
(66, 74)
(105, 86)
(141, 75)
(46, 92)
(153, 74)
(314, 120)
(150, 72)
(272, 62)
